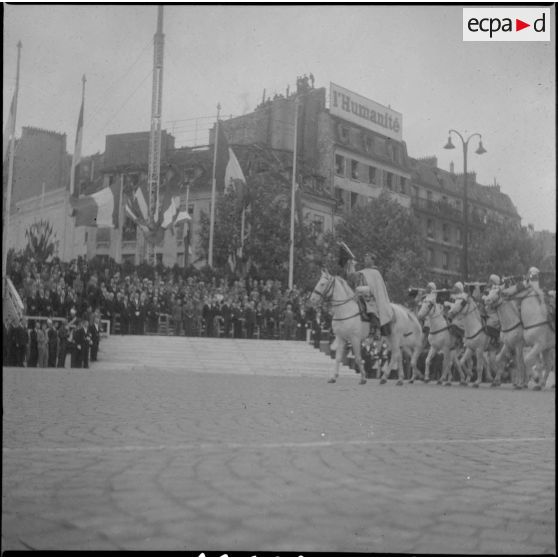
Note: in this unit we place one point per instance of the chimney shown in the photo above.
(452, 168)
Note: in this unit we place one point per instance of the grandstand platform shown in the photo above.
(208, 354)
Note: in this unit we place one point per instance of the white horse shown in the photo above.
(347, 325)
(441, 341)
(476, 340)
(511, 334)
(537, 333)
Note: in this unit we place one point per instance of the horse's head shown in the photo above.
(492, 299)
(457, 307)
(426, 307)
(323, 289)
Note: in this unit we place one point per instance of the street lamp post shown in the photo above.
(479, 151)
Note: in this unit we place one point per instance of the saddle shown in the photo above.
(494, 335)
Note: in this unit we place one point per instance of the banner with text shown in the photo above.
(364, 112)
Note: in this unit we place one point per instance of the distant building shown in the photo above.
(350, 149)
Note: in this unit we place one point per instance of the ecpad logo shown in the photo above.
(506, 24)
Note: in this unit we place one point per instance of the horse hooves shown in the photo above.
(439, 382)
(383, 381)
(411, 381)
(515, 386)
(537, 388)
(475, 385)
(448, 384)
(426, 380)
(463, 384)
(331, 381)
(399, 383)
(362, 381)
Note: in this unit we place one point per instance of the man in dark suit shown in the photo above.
(52, 341)
(62, 344)
(95, 334)
(82, 343)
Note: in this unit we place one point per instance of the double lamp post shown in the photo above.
(479, 151)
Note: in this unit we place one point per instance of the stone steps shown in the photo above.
(202, 354)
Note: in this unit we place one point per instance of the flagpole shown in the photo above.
(293, 190)
(72, 174)
(6, 230)
(120, 220)
(213, 189)
(187, 248)
(242, 227)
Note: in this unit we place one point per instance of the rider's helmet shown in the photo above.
(458, 288)
(431, 287)
(533, 273)
(494, 279)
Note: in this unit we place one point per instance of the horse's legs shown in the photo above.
(357, 350)
(339, 352)
(446, 366)
(521, 378)
(431, 354)
(547, 361)
(414, 359)
(463, 362)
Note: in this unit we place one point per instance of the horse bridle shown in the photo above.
(325, 293)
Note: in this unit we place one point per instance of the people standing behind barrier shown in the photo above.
(42, 346)
(52, 340)
(22, 342)
(82, 341)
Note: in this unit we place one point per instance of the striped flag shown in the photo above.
(100, 209)
(76, 158)
(9, 129)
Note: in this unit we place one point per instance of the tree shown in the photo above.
(265, 252)
(503, 249)
(41, 241)
(393, 233)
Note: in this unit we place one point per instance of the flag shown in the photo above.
(137, 207)
(228, 173)
(76, 158)
(345, 254)
(9, 129)
(100, 209)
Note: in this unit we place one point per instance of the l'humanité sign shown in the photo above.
(364, 112)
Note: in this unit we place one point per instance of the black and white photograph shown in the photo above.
(285, 275)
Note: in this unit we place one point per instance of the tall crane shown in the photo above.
(154, 166)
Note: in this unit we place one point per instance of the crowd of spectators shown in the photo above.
(135, 300)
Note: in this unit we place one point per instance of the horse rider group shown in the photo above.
(479, 292)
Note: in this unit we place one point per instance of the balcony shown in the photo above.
(437, 208)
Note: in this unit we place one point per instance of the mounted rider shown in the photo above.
(370, 285)
(493, 326)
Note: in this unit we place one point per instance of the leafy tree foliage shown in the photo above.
(393, 233)
(504, 249)
(41, 241)
(265, 253)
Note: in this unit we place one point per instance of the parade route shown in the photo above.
(148, 459)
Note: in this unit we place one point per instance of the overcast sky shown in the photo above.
(412, 58)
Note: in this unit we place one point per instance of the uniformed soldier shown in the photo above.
(371, 285)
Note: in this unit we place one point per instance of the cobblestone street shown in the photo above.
(168, 460)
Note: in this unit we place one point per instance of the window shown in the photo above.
(445, 232)
(354, 170)
(354, 199)
(415, 191)
(339, 165)
(129, 259)
(180, 259)
(459, 235)
(129, 230)
(389, 180)
(429, 256)
(430, 228)
(403, 185)
(318, 223)
(159, 259)
(372, 175)
(429, 197)
(339, 196)
(86, 236)
(445, 260)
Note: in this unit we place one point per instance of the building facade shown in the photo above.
(350, 149)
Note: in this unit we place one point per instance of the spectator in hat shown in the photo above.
(52, 340)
